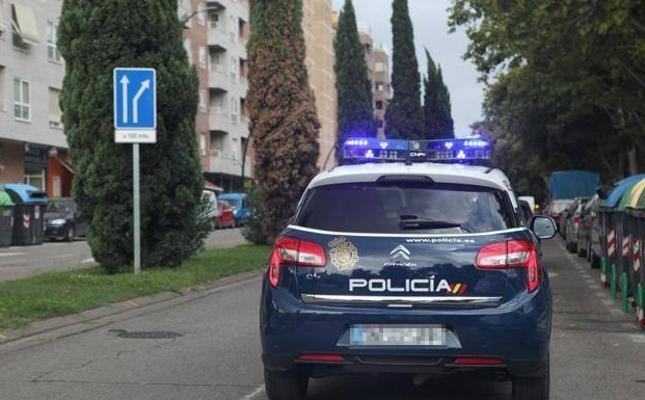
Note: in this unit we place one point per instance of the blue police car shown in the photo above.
(409, 260)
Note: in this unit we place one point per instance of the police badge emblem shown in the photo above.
(343, 254)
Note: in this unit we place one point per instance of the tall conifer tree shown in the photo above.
(284, 124)
(404, 116)
(354, 89)
(96, 37)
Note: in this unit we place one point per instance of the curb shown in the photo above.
(40, 332)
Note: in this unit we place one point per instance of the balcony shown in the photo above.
(219, 121)
(223, 163)
(218, 80)
(218, 36)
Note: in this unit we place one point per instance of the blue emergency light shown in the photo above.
(463, 150)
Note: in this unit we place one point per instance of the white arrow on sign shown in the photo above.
(135, 102)
(124, 84)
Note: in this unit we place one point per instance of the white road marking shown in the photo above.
(638, 338)
(608, 302)
(11, 254)
(254, 393)
(553, 274)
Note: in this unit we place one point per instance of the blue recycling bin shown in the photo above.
(28, 214)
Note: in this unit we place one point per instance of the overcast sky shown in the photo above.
(430, 20)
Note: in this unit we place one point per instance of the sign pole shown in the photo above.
(136, 207)
(135, 122)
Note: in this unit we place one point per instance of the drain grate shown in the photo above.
(145, 334)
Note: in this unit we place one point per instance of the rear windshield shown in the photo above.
(405, 207)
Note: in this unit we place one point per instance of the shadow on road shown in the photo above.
(383, 387)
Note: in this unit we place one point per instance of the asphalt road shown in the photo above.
(21, 261)
(597, 353)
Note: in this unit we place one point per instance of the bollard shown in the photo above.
(624, 288)
(604, 262)
(640, 306)
(612, 282)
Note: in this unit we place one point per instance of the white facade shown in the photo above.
(31, 76)
(228, 34)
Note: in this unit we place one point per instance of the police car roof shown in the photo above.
(438, 172)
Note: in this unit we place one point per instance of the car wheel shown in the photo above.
(581, 251)
(532, 388)
(287, 385)
(70, 234)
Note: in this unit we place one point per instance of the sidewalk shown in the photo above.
(22, 261)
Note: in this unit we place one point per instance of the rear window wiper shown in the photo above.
(409, 222)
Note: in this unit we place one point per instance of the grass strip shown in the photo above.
(60, 293)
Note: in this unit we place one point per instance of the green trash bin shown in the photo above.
(638, 210)
(6, 218)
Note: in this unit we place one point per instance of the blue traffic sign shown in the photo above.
(135, 99)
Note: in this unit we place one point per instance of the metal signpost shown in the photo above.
(135, 122)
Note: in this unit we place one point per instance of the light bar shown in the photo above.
(444, 150)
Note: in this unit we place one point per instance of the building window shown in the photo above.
(202, 101)
(54, 109)
(216, 61)
(234, 109)
(201, 54)
(243, 110)
(2, 91)
(379, 105)
(53, 53)
(21, 102)
(217, 141)
(234, 68)
(243, 71)
(217, 104)
(189, 50)
(35, 177)
(184, 10)
(379, 86)
(201, 18)
(232, 28)
(379, 123)
(242, 30)
(379, 67)
(202, 144)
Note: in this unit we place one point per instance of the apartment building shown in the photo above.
(33, 148)
(319, 40)
(215, 39)
(382, 88)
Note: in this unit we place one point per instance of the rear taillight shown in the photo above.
(478, 361)
(511, 254)
(575, 220)
(293, 251)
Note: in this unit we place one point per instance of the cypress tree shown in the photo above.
(284, 124)
(354, 89)
(96, 37)
(404, 116)
(446, 123)
(436, 104)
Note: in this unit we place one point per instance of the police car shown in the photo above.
(409, 260)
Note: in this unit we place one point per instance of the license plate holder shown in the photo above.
(397, 335)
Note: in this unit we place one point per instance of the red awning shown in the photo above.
(65, 165)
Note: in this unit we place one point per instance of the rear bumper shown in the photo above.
(518, 332)
(56, 232)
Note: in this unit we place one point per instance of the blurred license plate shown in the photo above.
(397, 335)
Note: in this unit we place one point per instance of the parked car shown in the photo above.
(589, 232)
(63, 220)
(527, 211)
(239, 204)
(225, 217)
(555, 208)
(530, 200)
(571, 220)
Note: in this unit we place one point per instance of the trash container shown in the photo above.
(28, 213)
(612, 234)
(6, 218)
(631, 245)
(638, 211)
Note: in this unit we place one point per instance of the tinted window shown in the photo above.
(405, 207)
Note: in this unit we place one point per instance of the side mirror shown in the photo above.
(544, 227)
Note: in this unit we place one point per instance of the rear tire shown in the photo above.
(532, 388)
(289, 385)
